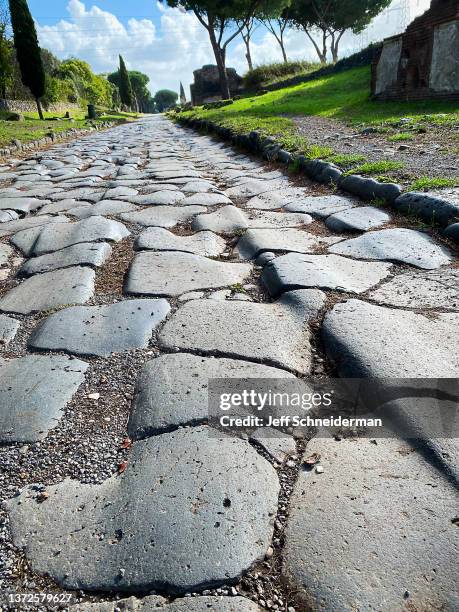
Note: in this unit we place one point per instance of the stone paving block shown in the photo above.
(117, 193)
(100, 330)
(8, 330)
(89, 194)
(225, 220)
(63, 206)
(58, 236)
(255, 241)
(398, 244)
(253, 187)
(93, 254)
(273, 220)
(104, 207)
(272, 200)
(163, 198)
(162, 216)
(359, 219)
(206, 244)
(34, 391)
(199, 187)
(192, 510)
(172, 273)
(152, 188)
(186, 604)
(8, 215)
(50, 290)
(419, 289)
(277, 444)
(162, 402)
(205, 199)
(275, 334)
(12, 227)
(5, 253)
(370, 341)
(320, 206)
(375, 531)
(297, 271)
(22, 205)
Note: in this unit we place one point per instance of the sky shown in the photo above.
(168, 44)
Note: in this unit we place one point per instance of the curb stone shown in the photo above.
(368, 189)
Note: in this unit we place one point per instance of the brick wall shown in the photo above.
(412, 78)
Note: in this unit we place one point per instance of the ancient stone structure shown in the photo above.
(423, 62)
(30, 106)
(206, 86)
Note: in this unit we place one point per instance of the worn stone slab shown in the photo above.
(277, 444)
(253, 187)
(370, 341)
(199, 187)
(374, 507)
(398, 244)
(12, 227)
(34, 391)
(82, 254)
(5, 253)
(181, 493)
(205, 199)
(8, 215)
(272, 200)
(359, 219)
(206, 244)
(225, 220)
(186, 604)
(151, 188)
(50, 290)
(163, 198)
(163, 402)
(62, 206)
(89, 194)
(297, 271)
(22, 205)
(452, 232)
(273, 220)
(162, 216)
(430, 289)
(55, 237)
(120, 192)
(321, 206)
(173, 273)
(276, 334)
(8, 330)
(100, 330)
(104, 207)
(255, 241)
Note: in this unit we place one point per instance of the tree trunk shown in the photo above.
(40, 111)
(322, 54)
(221, 65)
(248, 55)
(284, 53)
(335, 45)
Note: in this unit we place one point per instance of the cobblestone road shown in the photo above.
(139, 263)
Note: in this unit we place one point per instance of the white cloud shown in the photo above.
(170, 52)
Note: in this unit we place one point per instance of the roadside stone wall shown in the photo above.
(423, 62)
(29, 106)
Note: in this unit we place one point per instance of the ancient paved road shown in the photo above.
(137, 264)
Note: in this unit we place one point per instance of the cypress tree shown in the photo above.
(27, 50)
(125, 86)
(182, 94)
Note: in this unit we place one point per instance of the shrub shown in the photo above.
(267, 73)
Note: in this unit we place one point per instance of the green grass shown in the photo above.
(34, 129)
(400, 137)
(349, 159)
(266, 74)
(383, 165)
(343, 96)
(426, 183)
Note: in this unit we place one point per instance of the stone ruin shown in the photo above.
(423, 62)
(206, 86)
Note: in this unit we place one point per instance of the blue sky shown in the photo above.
(168, 44)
